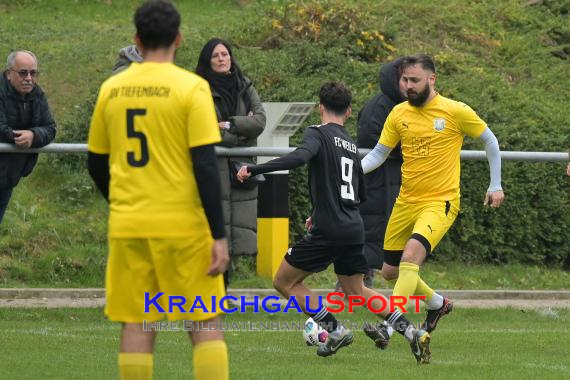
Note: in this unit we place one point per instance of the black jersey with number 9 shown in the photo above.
(336, 184)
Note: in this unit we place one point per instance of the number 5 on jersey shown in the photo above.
(346, 191)
(132, 133)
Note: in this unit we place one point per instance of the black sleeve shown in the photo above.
(6, 135)
(98, 166)
(45, 132)
(300, 156)
(293, 160)
(209, 186)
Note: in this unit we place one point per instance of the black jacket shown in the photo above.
(13, 106)
(382, 184)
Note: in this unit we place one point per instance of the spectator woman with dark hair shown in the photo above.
(241, 119)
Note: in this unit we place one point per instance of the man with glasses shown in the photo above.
(25, 120)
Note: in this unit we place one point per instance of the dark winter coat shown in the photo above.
(13, 110)
(382, 184)
(240, 206)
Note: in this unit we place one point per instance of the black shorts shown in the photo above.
(311, 257)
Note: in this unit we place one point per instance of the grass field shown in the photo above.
(495, 56)
(470, 343)
(444, 275)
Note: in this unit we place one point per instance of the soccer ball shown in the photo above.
(313, 334)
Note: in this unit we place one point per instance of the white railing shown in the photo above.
(273, 152)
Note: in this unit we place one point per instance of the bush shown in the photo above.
(496, 57)
(330, 24)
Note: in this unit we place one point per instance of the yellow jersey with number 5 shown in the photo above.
(146, 119)
(431, 138)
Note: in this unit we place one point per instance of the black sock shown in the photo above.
(325, 319)
(398, 321)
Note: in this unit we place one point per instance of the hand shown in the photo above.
(220, 257)
(494, 198)
(23, 138)
(309, 224)
(243, 174)
(224, 125)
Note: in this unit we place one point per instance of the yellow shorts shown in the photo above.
(177, 267)
(430, 219)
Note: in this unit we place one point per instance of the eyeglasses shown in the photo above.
(24, 73)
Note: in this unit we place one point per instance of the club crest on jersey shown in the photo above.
(439, 124)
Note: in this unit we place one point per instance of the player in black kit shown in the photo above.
(335, 232)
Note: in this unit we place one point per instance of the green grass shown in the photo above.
(492, 55)
(439, 274)
(477, 344)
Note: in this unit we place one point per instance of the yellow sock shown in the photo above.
(135, 366)
(407, 280)
(423, 289)
(211, 360)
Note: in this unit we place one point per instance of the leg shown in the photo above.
(125, 287)
(374, 254)
(419, 339)
(300, 261)
(409, 281)
(349, 268)
(135, 339)
(400, 227)
(135, 357)
(354, 286)
(289, 282)
(433, 222)
(390, 272)
(5, 196)
(210, 352)
(181, 265)
(413, 256)
(342, 337)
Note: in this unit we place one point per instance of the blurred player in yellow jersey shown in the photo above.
(151, 153)
(430, 129)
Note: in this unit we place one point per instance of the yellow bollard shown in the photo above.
(272, 223)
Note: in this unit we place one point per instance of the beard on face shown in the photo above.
(418, 99)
